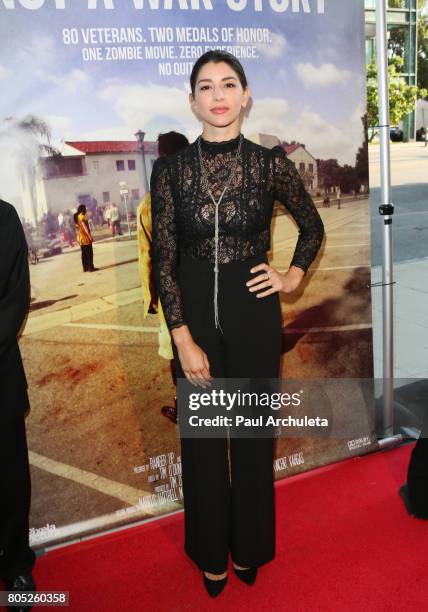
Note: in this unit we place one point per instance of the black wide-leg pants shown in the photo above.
(87, 257)
(229, 506)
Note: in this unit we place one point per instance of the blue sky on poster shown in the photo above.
(308, 84)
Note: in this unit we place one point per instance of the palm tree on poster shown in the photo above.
(27, 140)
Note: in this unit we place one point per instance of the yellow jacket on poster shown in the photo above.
(83, 235)
(144, 233)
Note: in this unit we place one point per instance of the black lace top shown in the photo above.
(183, 214)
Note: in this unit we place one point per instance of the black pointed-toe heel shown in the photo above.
(246, 575)
(214, 587)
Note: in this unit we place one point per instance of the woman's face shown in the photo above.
(219, 95)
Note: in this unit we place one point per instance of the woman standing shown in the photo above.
(84, 238)
(211, 209)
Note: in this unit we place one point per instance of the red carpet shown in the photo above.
(344, 542)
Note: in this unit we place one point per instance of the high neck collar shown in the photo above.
(221, 146)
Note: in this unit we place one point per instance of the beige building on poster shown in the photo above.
(298, 154)
(88, 172)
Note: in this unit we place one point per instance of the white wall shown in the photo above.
(62, 193)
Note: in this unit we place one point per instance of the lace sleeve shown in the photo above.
(165, 244)
(290, 190)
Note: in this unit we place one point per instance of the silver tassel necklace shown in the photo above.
(217, 203)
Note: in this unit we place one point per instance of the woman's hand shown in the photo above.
(274, 280)
(193, 359)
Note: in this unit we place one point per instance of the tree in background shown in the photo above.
(362, 158)
(349, 178)
(402, 97)
(25, 141)
(423, 53)
(328, 173)
(397, 40)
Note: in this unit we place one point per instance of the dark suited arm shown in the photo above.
(14, 276)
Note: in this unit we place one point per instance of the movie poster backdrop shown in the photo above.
(87, 88)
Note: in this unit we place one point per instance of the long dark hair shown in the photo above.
(217, 56)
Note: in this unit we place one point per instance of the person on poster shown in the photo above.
(115, 220)
(84, 239)
(221, 303)
(168, 143)
(60, 221)
(107, 215)
(338, 198)
(16, 557)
